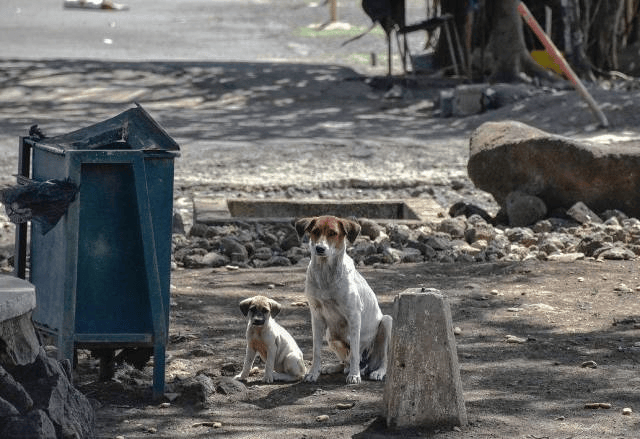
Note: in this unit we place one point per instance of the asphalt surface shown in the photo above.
(202, 30)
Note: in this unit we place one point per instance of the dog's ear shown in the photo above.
(275, 307)
(244, 306)
(351, 229)
(303, 225)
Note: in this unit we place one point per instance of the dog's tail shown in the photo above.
(357, 37)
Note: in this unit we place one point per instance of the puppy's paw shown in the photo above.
(354, 379)
(378, 375)
(311, 377)
(267, 378)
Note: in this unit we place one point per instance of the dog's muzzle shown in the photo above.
(321, 250)
(259, 321)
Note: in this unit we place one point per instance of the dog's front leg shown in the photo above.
(269, 363)
(355, 322)
(249, 357)
(318, 328)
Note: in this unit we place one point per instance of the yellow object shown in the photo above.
(545, 60)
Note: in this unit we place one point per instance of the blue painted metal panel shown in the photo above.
(103, 272)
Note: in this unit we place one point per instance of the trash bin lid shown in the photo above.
(132, 129)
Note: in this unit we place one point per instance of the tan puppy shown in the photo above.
(343, 306)
(265, 337)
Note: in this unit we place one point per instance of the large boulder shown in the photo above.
(510, 156)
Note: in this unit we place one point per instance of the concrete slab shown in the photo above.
(219, 211)
(17, 297)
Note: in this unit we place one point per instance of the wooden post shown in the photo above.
(333, 8)
(423, 387)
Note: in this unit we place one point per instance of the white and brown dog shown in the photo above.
(343, 305)
(265, 337)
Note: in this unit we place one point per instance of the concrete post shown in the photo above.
(423, 386)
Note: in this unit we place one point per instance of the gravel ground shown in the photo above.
(289, 113)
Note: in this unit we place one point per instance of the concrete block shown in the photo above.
(17, 297)
(423, 387)
(467, 99)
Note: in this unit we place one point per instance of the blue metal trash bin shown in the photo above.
(102, 273)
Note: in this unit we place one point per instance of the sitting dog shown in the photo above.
(265, 337)
(343, 306)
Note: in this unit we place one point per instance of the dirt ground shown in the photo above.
(564, 315)
(303, 117)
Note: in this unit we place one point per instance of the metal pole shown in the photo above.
(553, 51)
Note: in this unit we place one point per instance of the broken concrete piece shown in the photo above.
(512, 156)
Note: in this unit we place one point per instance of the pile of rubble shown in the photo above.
(469, 237)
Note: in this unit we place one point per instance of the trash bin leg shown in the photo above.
(153, 277)
(158, 370)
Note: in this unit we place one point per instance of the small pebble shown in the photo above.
(581, 279)
(345, 405)
(597, 405)
(590, 364)
(165, 405)
(322, 418)
(457, 330)
(627, 411)
(514, 339)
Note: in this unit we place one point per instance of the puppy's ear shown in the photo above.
(303, 225)
(244, 306)
(351, 229)
(275, 307)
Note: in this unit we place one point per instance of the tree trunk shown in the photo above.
(574, 40)
(510, 57)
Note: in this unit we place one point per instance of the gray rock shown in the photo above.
(198, 230)
(232, 248)
(7, 409)
(213, 260)
(370, 228)
(69, 410)
(263, 253)
(521, 235)
(411, 255)
(178, 224)
(361, 249)
(582, 214)
(454, 227)
(296, 254)
(35, 425)
(479, 231)
(590, 244)
(511, 156)
(196, 390)
(438, 241)
(399, 233)
(275, 261)
(290, 240)
(14, 393)
(229, 386)
(524, 209)
(616, 253)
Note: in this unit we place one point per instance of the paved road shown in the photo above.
(203, 30)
